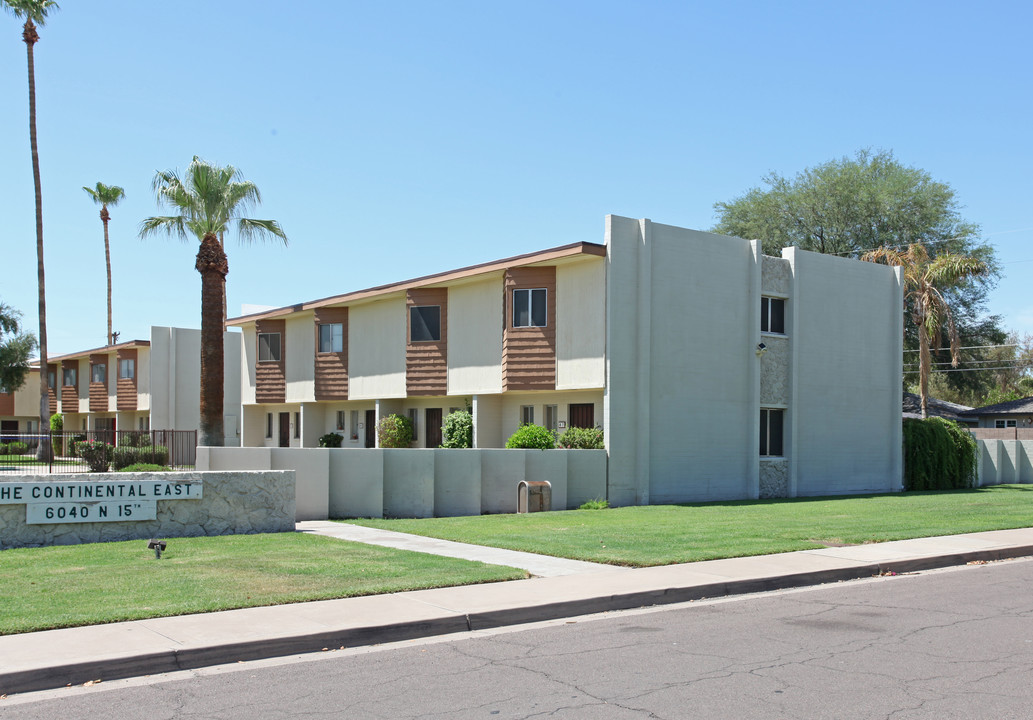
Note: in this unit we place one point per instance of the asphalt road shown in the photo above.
(945, 644)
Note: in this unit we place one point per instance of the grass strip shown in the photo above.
(665, 534)
(66, 586)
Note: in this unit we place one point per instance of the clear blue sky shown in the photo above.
(396, 139)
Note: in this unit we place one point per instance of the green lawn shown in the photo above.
(665, 534)
(65, 586)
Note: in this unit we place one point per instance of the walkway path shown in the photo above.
(539, 565)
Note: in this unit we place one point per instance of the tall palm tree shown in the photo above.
(924, 279)
(105, 195)
(35, 13)
(208, 200)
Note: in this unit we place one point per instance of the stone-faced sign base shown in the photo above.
(99, 507)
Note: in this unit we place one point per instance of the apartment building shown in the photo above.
(716, 372)
(135, 385)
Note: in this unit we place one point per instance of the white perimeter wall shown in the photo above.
(419, 483)
(847, 340)
(1005, 461)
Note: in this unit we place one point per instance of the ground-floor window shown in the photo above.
(527, 414)
(297, 425)
(771, 431)
(551, 417)
(355, 425)
(1004, 423)
(268, 425)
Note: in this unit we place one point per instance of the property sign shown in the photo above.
(99, 511)
(85, 502)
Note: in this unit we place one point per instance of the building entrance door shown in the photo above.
(371, 428)
(433, 416)
(285, 429)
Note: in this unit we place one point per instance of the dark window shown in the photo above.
(268, 425)
(51, 379)
(581, 415)
(69, 376)
(527, 414)
(530, 307)
(771, 422)
(424, 323)
(297, 425)
(268, 347)
(772, 315)
(99, 373)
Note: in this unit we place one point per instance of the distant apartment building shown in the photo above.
(135, 385)
(715, 372)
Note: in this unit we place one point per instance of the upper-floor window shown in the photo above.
(772, 422)
(69, 376)
(99, 373)
(268, 347)
(331, 338)
(772, 315)
(530, 307)
(1004, 423)
(424, 323)
(51, 379)
(126, 368)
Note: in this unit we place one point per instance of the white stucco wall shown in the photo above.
(248, 348)
(512, 403)
(581, 324)
(376, 350)
(847, 336)
(475, 336)
(300, 352)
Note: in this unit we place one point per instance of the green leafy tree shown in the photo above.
(35, 13)
(924, 301)
(105, 195)
(854, 205)
(15, 350)
(458, 430)
(209, 199)
(394, 431)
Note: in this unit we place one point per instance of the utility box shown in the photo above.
(534, 496)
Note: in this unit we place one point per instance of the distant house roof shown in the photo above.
(1023, 406)
(937, 408)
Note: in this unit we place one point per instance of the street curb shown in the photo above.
(56, 676)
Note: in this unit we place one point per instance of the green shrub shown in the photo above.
(596, 504)
(123, 456)
(533, 437)
(3, 449)
(938, 455)
(331, 440)
(16, 448)
(575, 438)
(73, 443)
(395, 431)
(458, 430)
(136, 438)
(57, 424)
(145, 467)
(96, 454)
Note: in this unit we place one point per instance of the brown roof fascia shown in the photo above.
(103, 349)
(556, 253)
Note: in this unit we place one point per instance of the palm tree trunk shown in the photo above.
(212, 264)
(107, 263)
(924, 368)
(30, 36)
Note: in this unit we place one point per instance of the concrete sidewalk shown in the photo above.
(54, 658)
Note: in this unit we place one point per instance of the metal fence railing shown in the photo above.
(88, 451)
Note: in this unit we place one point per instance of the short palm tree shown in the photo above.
(35, 13)
(105, 195)
(924, 280)
(208, 200)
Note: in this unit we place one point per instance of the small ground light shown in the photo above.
(157, 546)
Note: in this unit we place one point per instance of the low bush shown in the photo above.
(17, 448)
(96, 454)
(575, 438)
(135, 438)
(596, 504)
(123, 456)
(145, 467)
(3, 449)
(395, 431)
(458, 430)
(73, 443)
(533, 437)
(938, 455)
(331, 440)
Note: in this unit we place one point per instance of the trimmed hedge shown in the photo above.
(533, 437)
(458, 430)
(124, 456)
(938, 455)
(575, 438)
(395, 431)
(331, 440)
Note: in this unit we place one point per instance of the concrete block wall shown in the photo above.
(1005, 461)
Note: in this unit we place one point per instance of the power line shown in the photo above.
(975, 347)
(1004, 367)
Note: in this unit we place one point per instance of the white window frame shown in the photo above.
(530, 307)
(355, 425)
(526, 415)
(552, 417)
(1001, 424)
(414, 418)
(103, 367)
(766, 317)
(126, 368)
(279, 347)
(335, 338)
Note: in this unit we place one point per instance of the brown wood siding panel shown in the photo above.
(271, 377)
(529, 353)
(69, 393)
(98, 390)
(426, 363)
(52, 392)
(331, 369)
(6, 403)
(126, 397)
